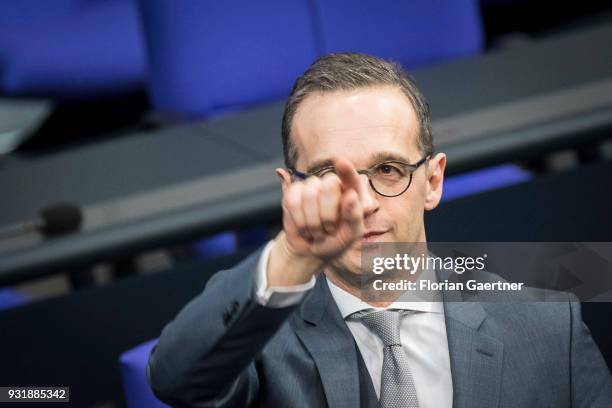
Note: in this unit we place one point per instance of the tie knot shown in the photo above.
(385, 323)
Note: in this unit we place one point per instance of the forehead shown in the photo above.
(355, 124)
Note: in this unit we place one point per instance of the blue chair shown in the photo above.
(10, 298)
(208, 58)
(228, 242)
(220, 244)
(70, 50)
(482, 180)
(211, 57)
(413, 33)
(133, 363)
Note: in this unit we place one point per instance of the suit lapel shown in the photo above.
(475, 358)
(331, 345)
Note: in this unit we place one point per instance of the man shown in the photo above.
(275, 331)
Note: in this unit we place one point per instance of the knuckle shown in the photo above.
(312, 220)
(330, 187)
(329, 212)
(309, 193)
(292, 199)
(294, 188)
(312, 183)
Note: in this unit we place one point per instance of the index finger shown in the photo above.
(348, 174)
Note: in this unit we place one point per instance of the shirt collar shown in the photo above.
(349, 303)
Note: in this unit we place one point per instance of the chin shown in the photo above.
(351, 260)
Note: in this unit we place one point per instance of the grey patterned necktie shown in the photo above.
(397, 386)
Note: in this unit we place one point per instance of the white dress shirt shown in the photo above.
(422, 333)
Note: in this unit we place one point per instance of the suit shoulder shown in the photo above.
(541, 309)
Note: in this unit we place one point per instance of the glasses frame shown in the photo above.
(368, 172)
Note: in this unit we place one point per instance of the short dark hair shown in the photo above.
(346, 71)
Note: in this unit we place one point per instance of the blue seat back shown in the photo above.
(210, 57)
(481, 180)
(207, 57)
(10, 298)
(133, 362)
(70, 50)
(413, 33)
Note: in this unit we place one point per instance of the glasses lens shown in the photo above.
(390, 179)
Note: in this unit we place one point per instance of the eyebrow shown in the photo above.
(375, 158)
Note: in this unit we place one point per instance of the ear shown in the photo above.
(435, 181)
(284, 177)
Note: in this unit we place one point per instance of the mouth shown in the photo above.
(371, 236)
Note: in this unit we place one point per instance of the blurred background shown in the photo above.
(138, 141)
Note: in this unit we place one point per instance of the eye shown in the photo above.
(324, 171)
(388, 169)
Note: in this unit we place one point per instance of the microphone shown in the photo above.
(54, 220)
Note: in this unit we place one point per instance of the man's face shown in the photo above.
(362, 126)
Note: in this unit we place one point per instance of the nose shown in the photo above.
(369, 197)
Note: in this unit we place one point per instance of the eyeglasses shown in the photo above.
(389, 178)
